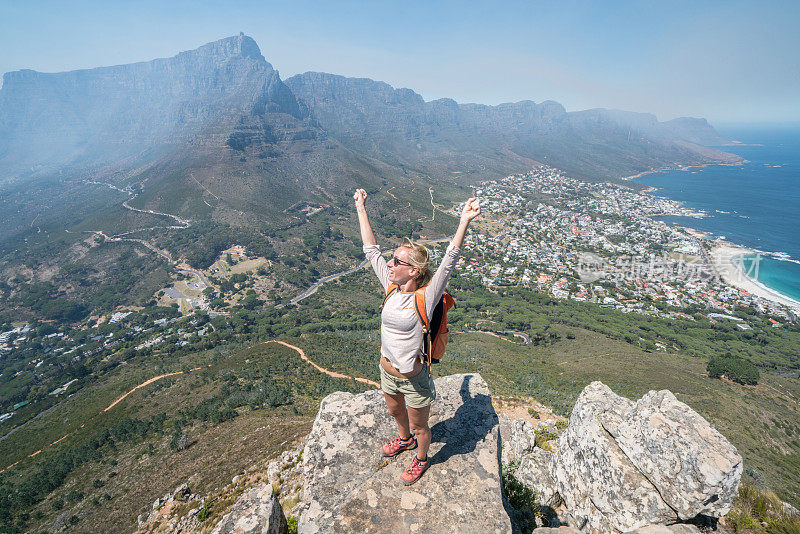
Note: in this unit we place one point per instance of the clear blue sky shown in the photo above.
(724, 60)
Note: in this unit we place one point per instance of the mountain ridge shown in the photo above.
(97, 116)
(595, 144)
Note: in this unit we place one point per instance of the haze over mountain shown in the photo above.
(226, 95)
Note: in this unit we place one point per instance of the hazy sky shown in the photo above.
(724, 60)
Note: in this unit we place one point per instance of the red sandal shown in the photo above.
(398, 445)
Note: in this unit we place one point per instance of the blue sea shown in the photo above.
(756, 205)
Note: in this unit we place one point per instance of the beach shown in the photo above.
(726, 259)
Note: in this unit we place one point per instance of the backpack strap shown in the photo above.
(389, 292)
(427, 344)
(419, 302)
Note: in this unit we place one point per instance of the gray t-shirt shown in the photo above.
(401, 330)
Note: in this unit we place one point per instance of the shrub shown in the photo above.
(203, 514)
(533, 413)
(543, 437)
(75, 496)
(522, 499)
(734, 368)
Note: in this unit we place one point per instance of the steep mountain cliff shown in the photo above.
(594, 144)
(98, 115)
(212, 128)
(225, 93)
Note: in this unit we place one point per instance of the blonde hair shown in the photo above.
(420, 259)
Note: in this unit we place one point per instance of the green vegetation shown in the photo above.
(756, 511)
(543, 439)
(523, 500)
(49, 475)
(204, 512)
(733, 368)
(240, 383)
(244, 385)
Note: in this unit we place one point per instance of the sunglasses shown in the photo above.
(399, 261)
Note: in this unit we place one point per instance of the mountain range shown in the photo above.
(224, 101)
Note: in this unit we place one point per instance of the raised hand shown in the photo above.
(360, 197)
(471, 209)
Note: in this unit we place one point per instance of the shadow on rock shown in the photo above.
(472, 421)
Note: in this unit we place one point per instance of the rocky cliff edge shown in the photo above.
(650, 466)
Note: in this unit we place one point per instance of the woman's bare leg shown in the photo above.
(397, 409)
(418, 418)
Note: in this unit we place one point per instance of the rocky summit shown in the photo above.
(349, 487)
(650, 466)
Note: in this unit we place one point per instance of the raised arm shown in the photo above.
(471, 210)
(434, 289)
(371, 248)
(367, 236)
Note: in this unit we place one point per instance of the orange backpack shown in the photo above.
(434, 331)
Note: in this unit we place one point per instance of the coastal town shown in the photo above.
(602, 243)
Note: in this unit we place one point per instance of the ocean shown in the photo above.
(756, 205)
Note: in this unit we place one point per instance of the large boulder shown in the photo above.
(349, 487)
(622, 465)
(257, 511)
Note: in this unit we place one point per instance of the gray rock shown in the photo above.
(273, 471)
(517, 438)
(677, 528)
(350, 488)
(556, 530)
(61, 521)
(534, 472)
(693, 467)
(256, 511)
(622, 465)
(789, 509)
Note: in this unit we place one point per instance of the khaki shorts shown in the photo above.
(419, 391)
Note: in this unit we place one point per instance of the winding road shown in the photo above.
(182, 223)
(316, 285)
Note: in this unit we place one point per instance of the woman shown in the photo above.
(406, 381)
